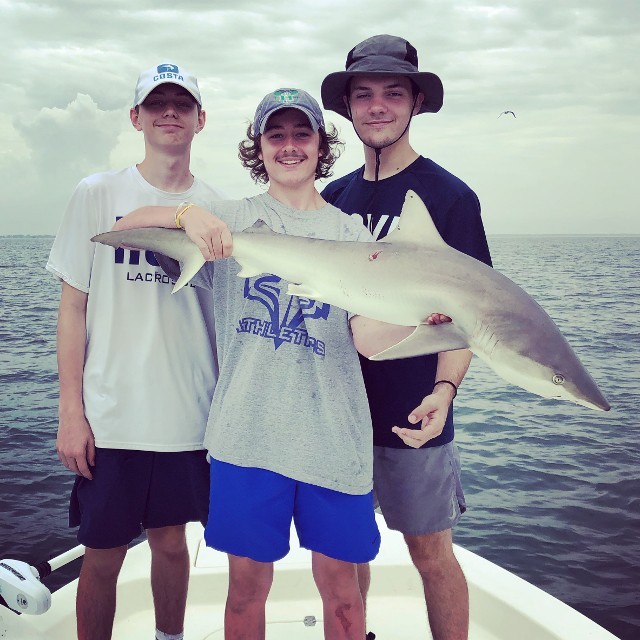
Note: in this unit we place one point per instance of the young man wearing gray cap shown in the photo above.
(416, 470)
(133, 399)
(289, 432)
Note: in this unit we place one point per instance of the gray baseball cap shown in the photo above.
(287, 99)
(382, 55)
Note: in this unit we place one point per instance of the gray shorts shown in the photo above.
(418, 490)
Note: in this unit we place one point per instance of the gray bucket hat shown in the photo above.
(382, 55)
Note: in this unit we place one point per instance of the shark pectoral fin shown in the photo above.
(248, 272)
(303, 291)
(247, 268)
(188, 268)
(426, 339)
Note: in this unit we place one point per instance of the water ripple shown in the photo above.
(552, 489)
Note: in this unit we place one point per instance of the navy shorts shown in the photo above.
(135, 490)
(251, 511)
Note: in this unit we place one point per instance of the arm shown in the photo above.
(75, 442)
(152, 216)
(432, 412)
(373, 336)
(207, 231)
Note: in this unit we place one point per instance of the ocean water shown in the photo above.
(553, 489)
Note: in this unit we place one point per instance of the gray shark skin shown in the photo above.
(403, 279)
(168, 242)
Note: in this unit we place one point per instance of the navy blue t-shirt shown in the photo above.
(396, 387)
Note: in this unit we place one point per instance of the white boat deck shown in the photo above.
(502, 606)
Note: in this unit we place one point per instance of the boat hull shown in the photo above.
(502, 605)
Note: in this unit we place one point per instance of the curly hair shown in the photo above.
(330, 148)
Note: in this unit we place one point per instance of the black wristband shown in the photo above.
(455, 388)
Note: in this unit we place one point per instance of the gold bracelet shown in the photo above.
(182, 207)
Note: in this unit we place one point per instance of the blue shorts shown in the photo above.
(132, 490)
(251, 510)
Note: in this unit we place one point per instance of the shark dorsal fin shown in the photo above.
(259, 226)
(416, 225)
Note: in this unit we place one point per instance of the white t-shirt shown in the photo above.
(150, 363)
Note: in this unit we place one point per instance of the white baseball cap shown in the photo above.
(165, 73)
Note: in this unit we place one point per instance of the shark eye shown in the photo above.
(558, 379)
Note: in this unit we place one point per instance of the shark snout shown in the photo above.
(593, 401)
(584, 391)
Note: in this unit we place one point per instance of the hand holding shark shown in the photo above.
(403, 280)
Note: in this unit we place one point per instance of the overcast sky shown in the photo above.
(568, 163)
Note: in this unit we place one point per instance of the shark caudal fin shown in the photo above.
(168, 242)
(415, 225)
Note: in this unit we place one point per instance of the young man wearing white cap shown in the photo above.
(289, 432)
(416, 470)
(133, 399)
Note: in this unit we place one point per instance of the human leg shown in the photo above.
(343, 610)
(169, 576)
(445, 587)
(96, 594)
(341, 531)
(420, 494)
(364, 582)
(107, 511)
(249, 585)
(250, 520)
(178, 493)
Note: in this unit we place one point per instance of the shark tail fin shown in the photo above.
(188, 268)
(172, 243)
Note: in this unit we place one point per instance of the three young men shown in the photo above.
(416, 471)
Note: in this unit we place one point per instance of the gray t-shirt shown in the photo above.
(289, 396)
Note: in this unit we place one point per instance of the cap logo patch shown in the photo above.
(168, 72)
(286, 96)
(168, 68)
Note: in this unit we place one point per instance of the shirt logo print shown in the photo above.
(282, 327)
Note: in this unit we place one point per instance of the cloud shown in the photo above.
(566, 69)
(49, 153)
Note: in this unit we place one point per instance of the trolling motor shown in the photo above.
(21, 589)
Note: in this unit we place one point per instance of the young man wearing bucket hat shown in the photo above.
(133, 407)
(289, 431)
(416, 470)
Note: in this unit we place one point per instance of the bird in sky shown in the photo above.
(505, 112)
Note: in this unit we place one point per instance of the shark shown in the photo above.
(403, 279)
